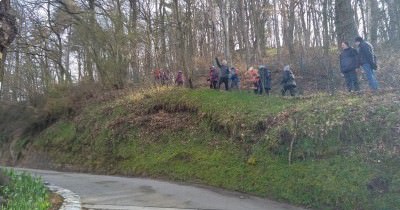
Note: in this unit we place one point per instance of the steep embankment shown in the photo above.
(325, 152)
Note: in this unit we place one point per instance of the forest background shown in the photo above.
(119, 43)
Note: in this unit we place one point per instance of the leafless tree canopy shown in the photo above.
(117, 43)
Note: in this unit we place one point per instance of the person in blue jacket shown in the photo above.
(348, 66)
(367, 60)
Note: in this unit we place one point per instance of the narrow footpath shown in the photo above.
(120, 193)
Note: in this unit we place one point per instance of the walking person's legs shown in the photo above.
(233, 85)
(348, 80)
(354, 81)
(370, 73)
(284, 89)
(226, 81)
(220, 82)
(267, 91)
(292, 91)
(260, 90)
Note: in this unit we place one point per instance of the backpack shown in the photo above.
(268, 74)
(227, 72)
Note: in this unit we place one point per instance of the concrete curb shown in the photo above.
(72, 201)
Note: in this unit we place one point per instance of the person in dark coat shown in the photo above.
(348, 66)
(367, 59)
(164, 77)
(179, 79)
(258, 86)
(157, 75)
(213, 77)
(223, 73)
(266, 79)
(235, 80)
(288, 81)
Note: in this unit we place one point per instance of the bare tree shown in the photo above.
(345, 24)
(8, 31)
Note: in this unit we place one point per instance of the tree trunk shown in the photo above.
(223, 6)
(9, 32)
(345, 23)
(394, 30)
(276, 31)
(2, 70)
(327, 62)
(133, 4)
(181, 35)
(290, 35)
(363, 9)
(163, 37)
(88, 56)
(374, 21)
(244, 29)
(190, 52)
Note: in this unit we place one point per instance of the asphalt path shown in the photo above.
(122, 193)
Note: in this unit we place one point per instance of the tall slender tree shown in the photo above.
(8, 31)
(344, 20)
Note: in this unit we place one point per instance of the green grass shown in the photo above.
(24, 192)
(240, 141)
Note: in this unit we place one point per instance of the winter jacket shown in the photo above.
(257, 84)
(265, 76)
(213, 75)
(288, 79)
(348, 60)
(224, 70)
(179, 78)
(366, 54)
(234, 75)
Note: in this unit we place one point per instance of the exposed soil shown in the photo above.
(56, 201)
(155, 123)
(163, 120)
(35, 159)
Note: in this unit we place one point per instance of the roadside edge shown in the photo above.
(72, 200)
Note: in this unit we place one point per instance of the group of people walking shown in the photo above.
(227, 76)
(261, 80)
(351, 59)
(164, 77)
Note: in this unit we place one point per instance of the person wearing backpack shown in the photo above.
(258, 88)
(266, 79)
(235, 80)
(288, 81)
(348, 66)
(367, 61)
(157, 75)
(213, 77)
(164, 78)
(179, 79)
(223, 73)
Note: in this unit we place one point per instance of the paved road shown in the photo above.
(119, 193)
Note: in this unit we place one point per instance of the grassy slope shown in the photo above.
(243, 142)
